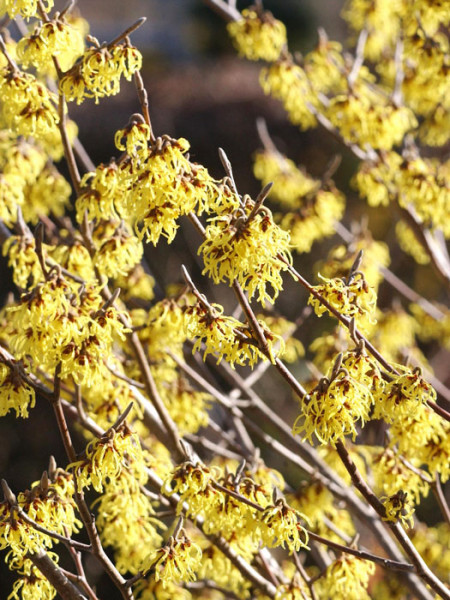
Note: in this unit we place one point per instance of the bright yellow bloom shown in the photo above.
(341, 258)
(315, 219)
(97, 73)
(28, 108)
(134, 139)
(22, 257)
(333, 408)
(48, 193)
(353, 299)
(166, 185)
(102, 194)
(346, 578)
(61, 324)
(392, 475)
(247, 247)
(15, 393)
(290, 183)
(289, 83)
(258, 36)
(226, 337)
(187, 407)
(53, 39)
(193, 483)
(282, 527)
(364, 119)
(118, 252)
(325, 66)
(126, 519)
(136, 284)
(176, 562)
(381, 18)
(106, 457)
(401, 396)
(24, 8)
(11, 196)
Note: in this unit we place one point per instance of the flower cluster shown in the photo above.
(53, 39)
(258, 35)
(332, 409)
(15, 393)
(65, 327)
(226, 337)
(347, 578)
(28, 108)
(282, 527)
(24, 8)
(176, 562)
(351, 298)
(98, 71)
(247, 247)
(106, 457)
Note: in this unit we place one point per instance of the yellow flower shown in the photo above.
(392, 475)
(398, 508)
(187, 407)
(11, 196)
(166, 185)
(352, 299)
(28, 107)
(54, 38)
(289, 83)
(134, 139)
(106, 457)
(24, 8)
(226, 337)
(332, 409)
(315, 219)
(325, 66)
(246, 247)
(382, 19)
(102, 194)
(346, 578)
(58, 323)
(32, 585)
(282, 527)
(193, 483)
(290, 183)
(341, 258)
(118, 251)
(48, 193)
(176, 562)
(401, 396)
(98, 71)
(22, 257)
(126, 519)
(363, 118)
(258, 35)
(15, 393)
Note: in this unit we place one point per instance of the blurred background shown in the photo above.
(199, 89)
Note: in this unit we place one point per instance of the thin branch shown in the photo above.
(55, 576)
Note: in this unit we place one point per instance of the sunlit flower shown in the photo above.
(176, 562)
(282, 527)
(106, 458)
(248, 248)
(258, 35)
(15, 393)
